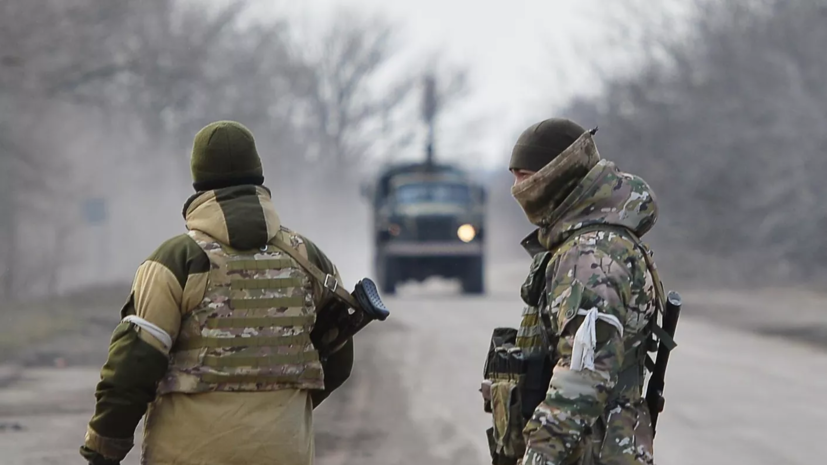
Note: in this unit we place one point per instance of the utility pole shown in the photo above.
(429, 110)
(10, 213)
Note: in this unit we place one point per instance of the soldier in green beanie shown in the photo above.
(214, 343)
(541, 143)
(592, 297)
(223, 155)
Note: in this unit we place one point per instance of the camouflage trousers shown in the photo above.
(588, 451)
(628, 441)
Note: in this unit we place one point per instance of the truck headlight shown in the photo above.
(466, 233)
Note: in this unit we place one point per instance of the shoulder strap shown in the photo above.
(327, 281)
(660, 300)
(647, 257)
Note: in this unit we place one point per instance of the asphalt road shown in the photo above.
(733, 397)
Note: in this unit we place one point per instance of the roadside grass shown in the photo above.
(31, 326)
(38, 323)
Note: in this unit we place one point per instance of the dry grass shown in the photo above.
(26, 327)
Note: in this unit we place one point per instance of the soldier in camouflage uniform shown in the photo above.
(596, 301)
(214, 344)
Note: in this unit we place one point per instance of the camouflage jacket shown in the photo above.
(167, 287)
(586, 416)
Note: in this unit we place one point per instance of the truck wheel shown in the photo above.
(473, 279)
(388, 276)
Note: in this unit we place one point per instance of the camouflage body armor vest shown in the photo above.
(251, 331)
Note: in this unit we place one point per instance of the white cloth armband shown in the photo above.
(585, 340)
(162, 336)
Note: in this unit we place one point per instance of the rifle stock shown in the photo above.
(340, 322)
(654, 390)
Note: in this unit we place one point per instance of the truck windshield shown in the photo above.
(432, 192)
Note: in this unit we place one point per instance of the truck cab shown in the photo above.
(428, 220)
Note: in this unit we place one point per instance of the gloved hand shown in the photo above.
(95, 458)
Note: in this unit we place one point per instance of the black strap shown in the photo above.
(327, 281)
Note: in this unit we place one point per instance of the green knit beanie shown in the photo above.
(542, 142)
(223, 155)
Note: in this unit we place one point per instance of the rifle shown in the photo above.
(348, 314)
(345, 317)
(654, 390)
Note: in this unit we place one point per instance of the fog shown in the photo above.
(100, 104)
(720, 105)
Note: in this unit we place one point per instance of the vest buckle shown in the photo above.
(330, 283)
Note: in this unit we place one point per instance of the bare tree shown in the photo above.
(152, 71)
(102, 99)
(728, 125)
(348, 108)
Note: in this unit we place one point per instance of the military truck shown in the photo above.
(428, 220)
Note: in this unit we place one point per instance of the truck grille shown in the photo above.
(435, 229)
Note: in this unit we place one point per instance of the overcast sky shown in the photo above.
(526, 57)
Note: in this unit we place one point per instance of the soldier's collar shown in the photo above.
(532, 244)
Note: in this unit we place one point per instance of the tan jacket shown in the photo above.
(227, 428)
